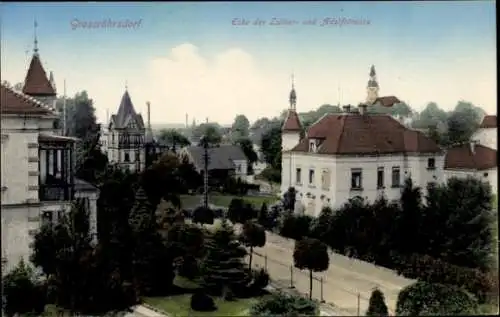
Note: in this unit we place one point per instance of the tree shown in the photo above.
(186, 243)
(162, 180)
(210, 131)
(203, 215)
(377, 306)
(173, 138)
(321, 226)
(189, 177)
(223, 267)
(457, 222)
(152, 264)
(83, 118)
(247, 146)
(94, 162)
(271, 147)
(254, 235)
(289, 199)
(463, 122)
(311, 254)
(427, 299)
(22, 294)
(263, 216)
(409, 222)
(240, 127)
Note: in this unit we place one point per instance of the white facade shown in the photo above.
(289, 139)
(325, 180)
(490, 176)
(486, 137)
(22, 208)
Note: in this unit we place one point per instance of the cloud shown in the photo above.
(220, 87)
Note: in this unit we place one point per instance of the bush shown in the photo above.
(431, 270)
(203, 215)
(280, 304)
(200, 301)
(377, 306)
(260, 279)
(21, 294)
(423, 299)
(295, 227)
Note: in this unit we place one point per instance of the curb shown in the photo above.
(156, 310)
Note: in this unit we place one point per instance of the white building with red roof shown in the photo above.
(487, 132)
(354, 154)
(37, 176)
(477, 158)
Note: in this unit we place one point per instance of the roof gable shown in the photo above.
(36, 82)
(14, 102)
(126, 112)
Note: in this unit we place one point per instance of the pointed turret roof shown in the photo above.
(292, 122)
(126, 111)
(36, 82)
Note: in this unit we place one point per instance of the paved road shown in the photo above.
(344, 279)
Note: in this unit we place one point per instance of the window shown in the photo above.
(238, 168)
(127, 157)
(312, 146)
(112, 139)
(485, 175)
(431, 163)
(356, 179)
(46, 217)
(380, 177)
(396, 176)
(311, 177)
(325, 180)
(298, 174)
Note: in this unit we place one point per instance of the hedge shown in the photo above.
(425, 268)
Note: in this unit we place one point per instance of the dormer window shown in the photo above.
(312, 146)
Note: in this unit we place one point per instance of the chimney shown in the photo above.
(187, 124)
(472, 147)
(347, 108)
(148, 104)
(362, 108)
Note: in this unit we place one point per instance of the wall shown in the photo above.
(241, 167)
(313, 196)
(19, 150)
(289, 140)
(487, 137)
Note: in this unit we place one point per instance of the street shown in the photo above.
(344, 280)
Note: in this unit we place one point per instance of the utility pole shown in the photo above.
(205, 161)
(64, 109)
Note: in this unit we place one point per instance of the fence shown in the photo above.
(288, 277)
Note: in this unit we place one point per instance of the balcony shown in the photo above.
(56, 168)
(63, 192)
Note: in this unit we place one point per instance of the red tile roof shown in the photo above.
(36, 82)
(489, 122)
(13, 102)
(387, 101)
(292, 122)
(461, 157)
(365, 134)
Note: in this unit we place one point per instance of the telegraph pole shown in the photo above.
(205, 180)
(64, 110)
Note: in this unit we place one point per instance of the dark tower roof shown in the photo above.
(36, 82)
(125, 111)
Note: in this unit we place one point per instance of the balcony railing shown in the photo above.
(60, 192)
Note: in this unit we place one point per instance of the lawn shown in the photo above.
(179, 305)
(191, 201)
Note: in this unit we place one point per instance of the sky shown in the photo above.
(216, 60)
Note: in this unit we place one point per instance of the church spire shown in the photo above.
(372, 88)
(35, 46)
(293, 95)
